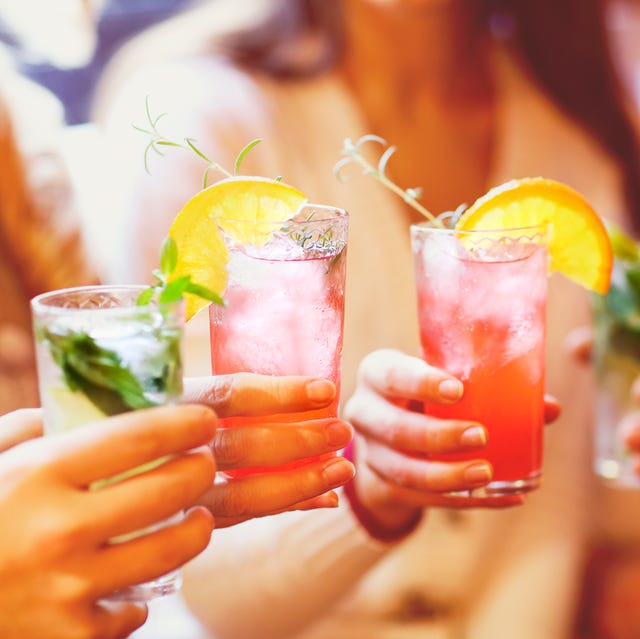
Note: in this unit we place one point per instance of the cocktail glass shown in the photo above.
(284, 301)
(481, 309)
(616, 356)
(99, 354)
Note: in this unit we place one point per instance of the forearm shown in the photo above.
(273, 577)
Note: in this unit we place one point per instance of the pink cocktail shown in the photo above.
(285, 303)
(481, 309)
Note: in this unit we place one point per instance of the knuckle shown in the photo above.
(396, 434)
(172, 555)
(397, 471)
(388, 377)
(219, 395)
(305, 441)
(149, 444)
(72, 589)
(200, 417)
(202, 525)
(439, 480)
(403, 478)
(60, 535)
(228, 448)
(179, 493)
(233, 502)
(355, 407)
(436, 437)
(368, 363)
(200, 472)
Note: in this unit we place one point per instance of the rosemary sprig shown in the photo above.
(314, 237)
(157, 140)
(352, 154)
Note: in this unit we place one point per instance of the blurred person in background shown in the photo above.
(473, 93)
(68, 43)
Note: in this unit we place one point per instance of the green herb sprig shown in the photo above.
(157, 140)
(96, 372)
(314, 238)
(167, 290)
(618, 311)
(352, 154)
(100, 374)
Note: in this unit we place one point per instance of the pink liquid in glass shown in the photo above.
(284, 312)
(482, 319)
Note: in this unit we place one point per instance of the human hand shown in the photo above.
(20, 426)
(269, 444)
(579, 343)
(630, 426)
(56, 562)
(580, 346)
(391, 483)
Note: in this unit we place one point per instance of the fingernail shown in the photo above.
(450, 389)
(320, 391)
(478, 474)
(331, 500)
(337, 471)
(338, 434)
(474, 436)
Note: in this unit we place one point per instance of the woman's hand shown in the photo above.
(272, 444)
(580, 346)
(56, 562)
(20, 426)
(392, 484)
(632, 427)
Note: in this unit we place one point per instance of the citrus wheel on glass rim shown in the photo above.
(202, 253)
(578, 242)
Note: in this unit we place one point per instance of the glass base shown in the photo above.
(500, 488)
(166, 585)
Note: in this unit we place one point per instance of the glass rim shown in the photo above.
(336, 212)
(42, 303)
(427, 226)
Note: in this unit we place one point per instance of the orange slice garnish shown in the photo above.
(578, 242)
(233, 204)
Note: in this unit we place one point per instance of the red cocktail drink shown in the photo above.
(285, 304)
(481, 308)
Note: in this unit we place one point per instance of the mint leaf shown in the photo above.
(168, 256)
(173, 291)
(632, 275)
(169, 291)
(205, 293)
(146, 296)
(97, 372)
(620, 303)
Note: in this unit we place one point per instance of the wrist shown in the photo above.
(391, 529)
